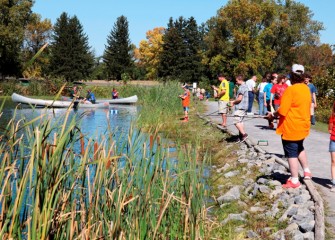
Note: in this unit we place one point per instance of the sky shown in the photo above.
(98, 17)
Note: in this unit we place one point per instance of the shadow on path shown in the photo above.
(325, 182)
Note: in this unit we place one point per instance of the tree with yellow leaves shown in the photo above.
(36, 38)
(149, 50)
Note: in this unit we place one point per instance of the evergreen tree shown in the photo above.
(117, 56)
(70, 53)
(14, 16)
(192, 60)
(171, 53)
(180, 58)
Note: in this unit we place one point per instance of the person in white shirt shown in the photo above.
(251, 84)
(288, 81)
(260, 89)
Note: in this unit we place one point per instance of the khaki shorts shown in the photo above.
(223, 107)
(239, 116)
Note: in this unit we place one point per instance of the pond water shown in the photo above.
(93, 122)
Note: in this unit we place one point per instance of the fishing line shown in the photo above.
(245, 120)
(215, 111)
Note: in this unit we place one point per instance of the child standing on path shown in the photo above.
(294, 125)
(277, 91)
(241, 107)
(185, 101)
(267, 98)
(261, 103)
(331, 129)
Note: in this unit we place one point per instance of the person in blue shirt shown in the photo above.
(267, 95)
(312, 89)
(90, 96)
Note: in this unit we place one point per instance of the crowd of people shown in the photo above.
(289, 99)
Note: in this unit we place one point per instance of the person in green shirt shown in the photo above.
(223, 96)
(232, 89)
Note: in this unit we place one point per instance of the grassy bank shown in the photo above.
(114, 188)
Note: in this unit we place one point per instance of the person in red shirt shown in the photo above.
(115, 94)
(331, 129)
(277, 91)
(185, 100)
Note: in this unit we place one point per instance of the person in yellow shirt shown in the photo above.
(294, 125)
(223, 96)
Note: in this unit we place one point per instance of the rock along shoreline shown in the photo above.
(301, 208)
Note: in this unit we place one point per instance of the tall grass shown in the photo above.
(160, 104)
(111, 189)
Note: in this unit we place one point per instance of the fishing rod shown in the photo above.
(245, 120)
(216, 111)
(211, 113)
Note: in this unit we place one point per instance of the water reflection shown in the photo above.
(92, 122)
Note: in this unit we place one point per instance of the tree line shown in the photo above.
(247, 37)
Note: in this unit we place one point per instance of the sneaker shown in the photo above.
(271, 126)
(250, 114)
(238, 139)
(244, 137)
(185, 119)
(332, 188)
(307, 175)
(290, 184)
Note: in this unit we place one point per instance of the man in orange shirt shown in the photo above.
(185, 101)
(294, 125)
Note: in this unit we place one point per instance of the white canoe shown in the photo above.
(55, 104)
(127, 100)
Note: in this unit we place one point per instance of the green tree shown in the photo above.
(180, 58)
(254, 36)
(99, 72)
(171, 53)
(191, 62)
(14, 17)
(71, 57)
(118, 52)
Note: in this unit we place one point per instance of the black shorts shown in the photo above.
(292, 149)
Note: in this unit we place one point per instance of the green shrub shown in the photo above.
(9, 87)
(323, 110)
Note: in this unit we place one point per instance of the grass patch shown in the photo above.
(320, 126)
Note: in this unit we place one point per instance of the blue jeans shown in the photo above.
(251, 97)
(262, 109)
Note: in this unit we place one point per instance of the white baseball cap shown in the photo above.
(298, 69)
